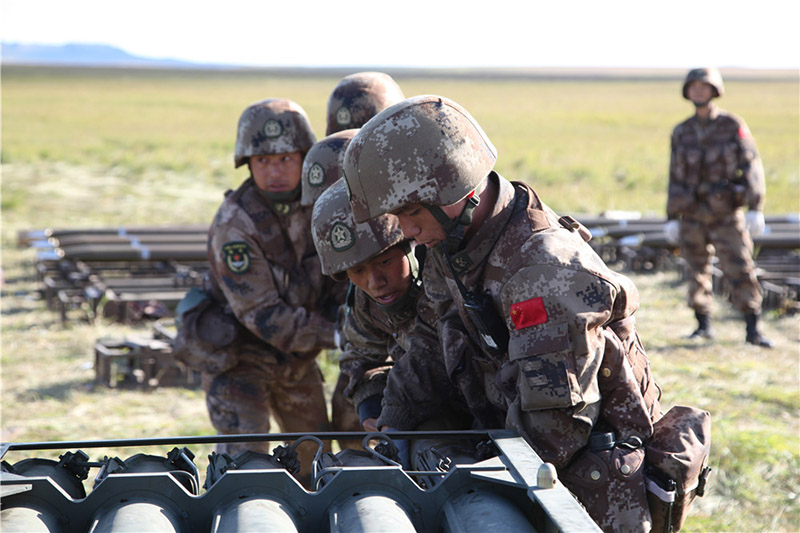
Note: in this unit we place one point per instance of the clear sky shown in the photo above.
(425, 33)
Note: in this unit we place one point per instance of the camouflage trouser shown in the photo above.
(242, 399)
(343, 414)
(699, 240)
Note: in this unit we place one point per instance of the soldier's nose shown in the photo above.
(376, 281)
(410, 230)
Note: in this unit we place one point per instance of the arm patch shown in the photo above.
(237, 256)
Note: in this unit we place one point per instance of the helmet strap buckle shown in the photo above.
(455, 228)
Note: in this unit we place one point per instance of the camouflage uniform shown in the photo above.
(714, 171)
(556, 295)
(546, 384)
(263, 264)
(263, 267)
(572, 363)
(373, 341)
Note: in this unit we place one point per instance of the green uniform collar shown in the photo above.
(282, 202)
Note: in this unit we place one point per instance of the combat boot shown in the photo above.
(704, 330)
(754, 336)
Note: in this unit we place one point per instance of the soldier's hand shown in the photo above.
(672, 231)
(754, 223)
(370, 424)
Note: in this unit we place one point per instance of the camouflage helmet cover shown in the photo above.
(426, 149)
(340, 242)
(272, 126)
(359, 97)
(709, 75)
(323, 164)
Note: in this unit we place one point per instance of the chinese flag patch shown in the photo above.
(528, 313)
(744, 133)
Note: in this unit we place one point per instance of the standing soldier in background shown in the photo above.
(269, 293)
(714, 172)
(359, 97)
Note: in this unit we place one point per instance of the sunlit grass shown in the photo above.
(584, 145)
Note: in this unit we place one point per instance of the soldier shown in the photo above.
(535, 330)
(322, 166)
(359, 97)
(265, 271)
(715, 171)
(381, 306)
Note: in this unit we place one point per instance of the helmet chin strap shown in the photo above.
(455, 228)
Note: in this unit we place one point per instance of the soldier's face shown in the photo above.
(699, 92)
(385, 277)
(277, 172)
(419, 224)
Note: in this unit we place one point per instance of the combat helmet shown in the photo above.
(341, 242)
(272, 126)
(709, 75)
(359, 97)
(426, 149)
(322, 165)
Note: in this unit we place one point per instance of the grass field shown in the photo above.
(94, 148)
(167, 137)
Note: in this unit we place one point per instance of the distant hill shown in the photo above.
(80, 55)
(103, 55)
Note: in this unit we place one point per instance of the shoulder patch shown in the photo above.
(528, 313)
(237, 256)
(744, 133)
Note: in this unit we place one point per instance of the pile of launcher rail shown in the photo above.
(142, 272)
(125, 274)
(134, 275)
